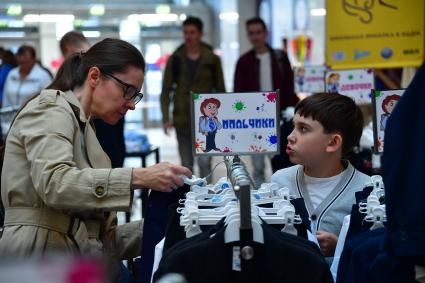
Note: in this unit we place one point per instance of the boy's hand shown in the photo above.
(327, 242)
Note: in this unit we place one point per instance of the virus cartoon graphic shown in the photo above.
(258, 136)
(239, 106)
(270, 96)
(198, 145)
(260, 108)
(196, 96)
(233, 138)
(272, 139)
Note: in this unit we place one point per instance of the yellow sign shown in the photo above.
(374, 33)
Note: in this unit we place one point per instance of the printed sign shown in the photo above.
(235, 123)
(309, 79)
(374, 34)
(384, 102)
(356, 83)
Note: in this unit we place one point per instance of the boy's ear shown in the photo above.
(335, 143)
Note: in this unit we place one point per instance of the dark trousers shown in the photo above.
(210, 141)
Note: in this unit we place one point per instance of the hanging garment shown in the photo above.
(208, 259)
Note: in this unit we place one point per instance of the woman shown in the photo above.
(26, 80)
(57, 188)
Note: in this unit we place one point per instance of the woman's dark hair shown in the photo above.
(109, 55)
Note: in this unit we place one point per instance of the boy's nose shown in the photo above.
(291, 137)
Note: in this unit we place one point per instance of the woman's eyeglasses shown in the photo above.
(130, 92)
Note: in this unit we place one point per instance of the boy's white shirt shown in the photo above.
(319, 188)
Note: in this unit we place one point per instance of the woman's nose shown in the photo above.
(131, 105)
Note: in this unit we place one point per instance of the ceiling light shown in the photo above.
(318, 12)
(97, 10)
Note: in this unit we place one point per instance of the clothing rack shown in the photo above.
(241, 182)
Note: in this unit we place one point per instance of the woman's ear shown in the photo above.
(335, 143)
(93, 76)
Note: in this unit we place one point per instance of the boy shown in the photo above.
(326, 127)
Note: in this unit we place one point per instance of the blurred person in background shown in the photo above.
(59, 192)
(192, 67)
(26, 80)
(111, 137)
(264, 69)
(73, 42)
(7, 63)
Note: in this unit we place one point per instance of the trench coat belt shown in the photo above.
(41, 217)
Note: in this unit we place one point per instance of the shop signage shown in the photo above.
(235, 123)
(384, 102)
(309, 79)
(374, 34)
(355, 83)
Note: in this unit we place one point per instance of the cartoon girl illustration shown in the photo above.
(388, 105)
(332, 83)
(299, 78)
(208, 123)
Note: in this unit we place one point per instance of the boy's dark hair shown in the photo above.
(26, 48)
(194, 21)
(109, 55)
(256, 20)
(72, 38)
(337, 113)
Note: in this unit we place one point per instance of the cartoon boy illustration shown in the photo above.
(208, 123)
(299, 78)
(388, 105)
(332, 83)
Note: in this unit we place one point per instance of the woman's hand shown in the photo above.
(163, 177)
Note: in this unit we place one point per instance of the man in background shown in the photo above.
(73, 42)
(192, 67)
(111, 137)
(264, 69)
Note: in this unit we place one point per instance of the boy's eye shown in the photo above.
(303, 129)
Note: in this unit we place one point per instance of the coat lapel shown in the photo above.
(95, 153)
(97, 158)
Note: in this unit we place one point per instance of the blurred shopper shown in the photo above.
(7, 63)
(26, 80)
(111, 137)
(192, 67)
(58, 189)
(264, 69)
(73, 42)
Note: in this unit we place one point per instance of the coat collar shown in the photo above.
(206, 50)
(94, 152)
(75, 105)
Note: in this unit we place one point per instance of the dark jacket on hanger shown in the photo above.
(403, 165)
(280, 259)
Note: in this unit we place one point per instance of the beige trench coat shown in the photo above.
(54, 168)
